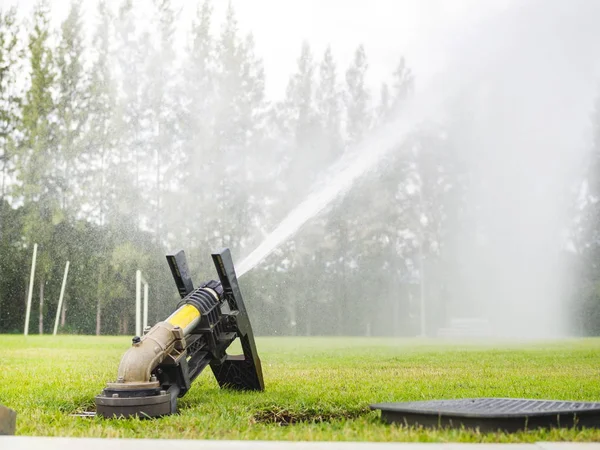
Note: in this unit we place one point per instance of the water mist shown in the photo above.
(515, 94)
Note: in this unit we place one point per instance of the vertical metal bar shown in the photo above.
(423, 309)
(145, 322)
(60, 299)
(138, 303)
(30, 293)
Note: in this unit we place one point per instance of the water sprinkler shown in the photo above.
(161, 365)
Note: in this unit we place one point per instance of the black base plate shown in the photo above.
(142, 407)
(492, 414)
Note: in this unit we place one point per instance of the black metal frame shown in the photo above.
(221, 323)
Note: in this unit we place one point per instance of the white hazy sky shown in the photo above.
(421, 30)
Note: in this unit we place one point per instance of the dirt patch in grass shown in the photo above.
(284, 416)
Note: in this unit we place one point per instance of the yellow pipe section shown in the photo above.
(186, 318)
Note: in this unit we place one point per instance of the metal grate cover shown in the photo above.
(492, 414)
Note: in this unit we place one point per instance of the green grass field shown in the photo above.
(316, 388)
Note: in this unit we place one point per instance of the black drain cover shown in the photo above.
(493, 414)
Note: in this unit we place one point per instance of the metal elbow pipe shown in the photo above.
(139, 361)
(164, 339)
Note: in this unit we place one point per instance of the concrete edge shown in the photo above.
(66, 443)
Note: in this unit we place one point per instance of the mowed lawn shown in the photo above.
(316, 388)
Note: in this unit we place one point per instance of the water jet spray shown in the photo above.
(161, 365)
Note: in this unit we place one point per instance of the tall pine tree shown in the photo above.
(358, 116)
(328, 105)
(39, 188)
(105, 172)
(10, 99)
(239, 89)
(130, 53)
(197, 100)
(71, 107)
(160, 106)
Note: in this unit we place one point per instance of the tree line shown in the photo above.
(117, 146)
